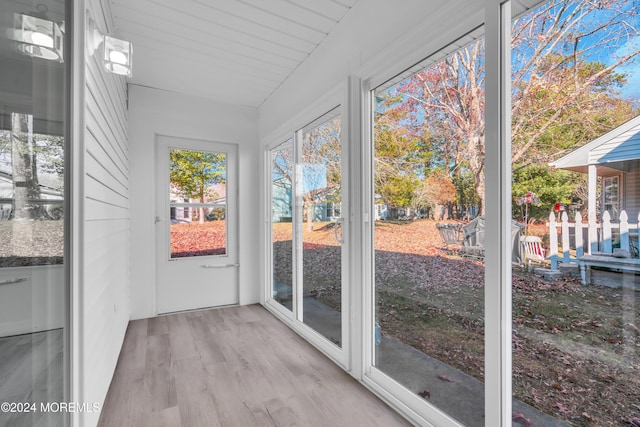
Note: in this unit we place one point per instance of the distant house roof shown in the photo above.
(618, 145)
(7, 179)
(6, 176)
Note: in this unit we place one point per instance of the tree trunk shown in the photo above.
(310, 216)
(480, 189)
(476, 164)
(25, 173)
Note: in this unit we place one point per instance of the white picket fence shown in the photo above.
(599, 237)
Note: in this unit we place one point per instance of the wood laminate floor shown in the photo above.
(227, 367)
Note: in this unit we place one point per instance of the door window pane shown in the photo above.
(320, 182)
(576, 352)
(198, 203)
(282, 177)
(429, 231)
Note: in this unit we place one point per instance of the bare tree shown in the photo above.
(562, 95)
(321, 173)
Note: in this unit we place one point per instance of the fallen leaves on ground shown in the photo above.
(195, 239)
(521, 419)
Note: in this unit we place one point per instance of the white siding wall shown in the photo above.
(155, 112)
(104, 297)
(622, 147)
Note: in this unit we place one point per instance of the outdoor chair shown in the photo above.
(451, 235)
(532, 249)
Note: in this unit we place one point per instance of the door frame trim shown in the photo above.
(233, 250)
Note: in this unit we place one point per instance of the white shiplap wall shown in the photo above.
(105, 299)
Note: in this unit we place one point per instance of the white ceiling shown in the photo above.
(233, 51)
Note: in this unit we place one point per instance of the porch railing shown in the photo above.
(600, 237)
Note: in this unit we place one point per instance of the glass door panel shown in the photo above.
(33, 149)
(282, 178)
(319, 193)
(575, 192)
(429, 232)
(198, 203)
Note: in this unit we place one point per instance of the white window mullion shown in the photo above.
(368, 220)
(353, 211)
(498, 390)
(298, 273)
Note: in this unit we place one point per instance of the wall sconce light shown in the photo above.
(39, 37)
(117, 54)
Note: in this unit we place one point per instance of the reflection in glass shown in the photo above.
(32, 193)
(282, 223)
(429, 232)
(198, 203)
(575, 131)
(319, 185)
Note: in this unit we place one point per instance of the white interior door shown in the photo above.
(196, 224)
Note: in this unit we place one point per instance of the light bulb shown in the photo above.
(42, 39)
(117, 57)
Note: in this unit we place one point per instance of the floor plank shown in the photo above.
(235, 366)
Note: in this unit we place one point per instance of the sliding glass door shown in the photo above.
(308, 228)
(319, 195)
(576, 193)
(33, 153)
(282, 178)
(428, 183)
(500, 212)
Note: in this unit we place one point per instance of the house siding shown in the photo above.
(105, 240)
(625, 146)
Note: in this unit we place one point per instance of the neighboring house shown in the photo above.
(282, 202)
(382, 211)
(615, 157)
(180, 211)
(49, 197)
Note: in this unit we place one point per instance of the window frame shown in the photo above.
(404, 53)
(498, 315)
(189, 206)
(619, 202)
